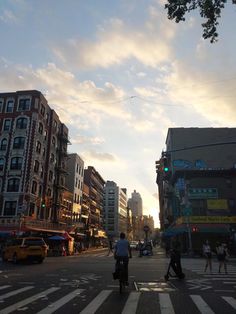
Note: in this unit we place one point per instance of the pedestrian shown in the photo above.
(175, 257)
(110, 247)
(208, 255)
(222, 254)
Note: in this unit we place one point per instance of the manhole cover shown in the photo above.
(154, 286)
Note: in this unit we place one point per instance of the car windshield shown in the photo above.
(34, 242)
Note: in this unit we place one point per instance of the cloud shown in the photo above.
(94, 155)
(81, 139)
(73, 99)
(117, 42)
(208, 93)
(8, 17)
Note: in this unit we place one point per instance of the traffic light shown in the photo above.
(194, 229)
(165, 164)
(43, 205)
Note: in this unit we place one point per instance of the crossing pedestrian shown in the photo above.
(110, 247)
(222, 254)
(208, 255)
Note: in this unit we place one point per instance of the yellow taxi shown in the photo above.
(30, 248)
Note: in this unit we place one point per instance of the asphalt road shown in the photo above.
(84, 284)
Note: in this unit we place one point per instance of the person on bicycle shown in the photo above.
(123, 253)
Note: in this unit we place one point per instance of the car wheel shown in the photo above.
(14, 258)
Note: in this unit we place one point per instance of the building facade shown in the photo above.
(115, 210)
(95, 184)
(135, 203)
(196, 189)
(74, 183)
(33, 153)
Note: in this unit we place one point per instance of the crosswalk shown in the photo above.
(53, 299)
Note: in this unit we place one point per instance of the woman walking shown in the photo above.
(207, 253)
(222, 253)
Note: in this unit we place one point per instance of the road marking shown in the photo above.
(132, 303)
(22, 303)
(14, 292)
(4, 287)
(165, 304)
(231, 301)
(201, 304)
(56, 305)
(92, 307)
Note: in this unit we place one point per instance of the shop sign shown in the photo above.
(207, 219)
(217, 204)
(202, 193)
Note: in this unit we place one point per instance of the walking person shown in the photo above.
(110, 247)
(222, 254)
(208, 255)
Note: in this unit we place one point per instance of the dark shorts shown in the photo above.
(208, 255)
(221, 257)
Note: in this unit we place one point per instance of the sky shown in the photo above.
(119, 74)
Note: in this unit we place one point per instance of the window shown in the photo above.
(1, 104)
(42, 111)
(53, 141)
(13, 185)
(34, 187)
(24, 104)
(21, 123)
(55, 125)
(50, 176)
(45, 135)
(19, 143)
(52, 158)
(3, 144)
(40, 129)
(47, 117)
(10, 208)
(16, 163)
(36, 166)
(38, 147)
(40, 190)
(10, 106)
(1, 164)
(42, 172)
(49, 192)
(7, 125)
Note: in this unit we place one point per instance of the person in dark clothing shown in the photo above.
(110, 247)
(175, 257)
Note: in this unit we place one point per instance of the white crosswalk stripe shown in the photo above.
(231, 301)
(165, 305)
(56, 305)
(132, 303)
(10, 294)
(92, 307)
(201, 304)
(24, 302)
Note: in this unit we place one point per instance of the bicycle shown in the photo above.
(122, 277)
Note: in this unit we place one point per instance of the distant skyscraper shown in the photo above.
(135, 203)
(115, 209)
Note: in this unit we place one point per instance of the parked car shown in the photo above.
(30, 248)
